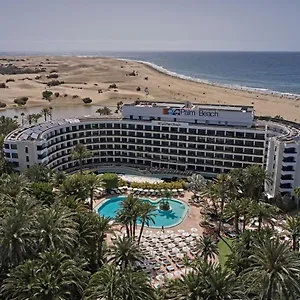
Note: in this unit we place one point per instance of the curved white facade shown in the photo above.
(174, 139)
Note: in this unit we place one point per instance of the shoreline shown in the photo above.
(84, 76)
(262, 91)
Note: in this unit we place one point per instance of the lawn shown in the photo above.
(224, 250)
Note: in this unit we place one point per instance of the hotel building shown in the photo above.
(169, 139)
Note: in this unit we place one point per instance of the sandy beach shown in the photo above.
(91, 77)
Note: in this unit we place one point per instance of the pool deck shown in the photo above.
(191, 220)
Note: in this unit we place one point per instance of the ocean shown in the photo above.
(267, 72)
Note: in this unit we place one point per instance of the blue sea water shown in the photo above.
(163, 218)
(265, 71)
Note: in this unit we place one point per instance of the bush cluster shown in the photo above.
(53, 75)
(2, 105)
(21, 101)
(113, 86)
(179, 184)
(55, 83)
(87, 100)
(3, 85)
(56, 94)
(10, 80)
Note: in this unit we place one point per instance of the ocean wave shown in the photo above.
(263, 91)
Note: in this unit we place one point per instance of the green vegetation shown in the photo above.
(224, 250)
(180, 184)
(47, 94)
(110, 180)
(55, 83)
(104, 111)
(54, 246)
(21, 101)
(164, 205)
(87, 100)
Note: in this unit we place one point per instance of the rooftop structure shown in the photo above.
(170, 139)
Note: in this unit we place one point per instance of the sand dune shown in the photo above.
(85, 76)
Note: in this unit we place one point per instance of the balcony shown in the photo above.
(290, 150)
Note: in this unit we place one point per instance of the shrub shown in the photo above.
(47, 94)
(2, 105)
(56, 94)
(75, 96)
(100, 91)
(146, 78)
(54, 83)
(65, 95)
(113, 86)
(3, 85)
(138, 89)
(110, 180)
(10, 80)
(21, 101)
(53, 71)
(38, 77)
(87, 100)
(164, 205)
(54, 75)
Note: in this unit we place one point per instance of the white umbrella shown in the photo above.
(186, 234)
(180, 190)
(194, 229)
(180, 230)
(161, 249)
(146, 244)
(182, 244)
(192, 243)
(171, 246)
(140, 190)
(168, 241)
(135, 189)
(149, 249)
(174, 235)
(170, 276)
(180, 255)
(178, 239)
(146, 190)
(165, 253)
(170, 231)
(195, 234)
(151, 190)
(177, 273)
(154, 240)
(174, 190)
(175, 250)
(157, 245)
(186, 249)
(162, 190)
(159, 277)
(129, 189)
(189, 239)
(163, 236)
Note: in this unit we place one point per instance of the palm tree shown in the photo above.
(7, 125)
(73, 203)
(103, 111)
(79, 153)
(264, 212)
(57, 178)
(36, 117)
(45, 112)
(18, 232)
(234, 209)
(92, 182)
(111, 283)
(53, 275)
(124, 252)
(22, 116)
(297, 194)
(92, 231)
(56, 229)
(274, 270)
(255, 178)
(146, 216)
(196, 182)
(206, 281)
(293, 226)
(129, 213)
(207, 247)
(37, 173)
(13, 184)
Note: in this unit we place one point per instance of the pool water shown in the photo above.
(170, 218)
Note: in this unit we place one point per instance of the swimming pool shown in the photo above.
(167, 219)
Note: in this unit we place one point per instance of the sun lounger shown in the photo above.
(166, 263)
(170, 268)
(180, 265)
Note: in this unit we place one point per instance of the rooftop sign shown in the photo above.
(189, 112)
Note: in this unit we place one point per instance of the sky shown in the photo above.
(149, 25)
